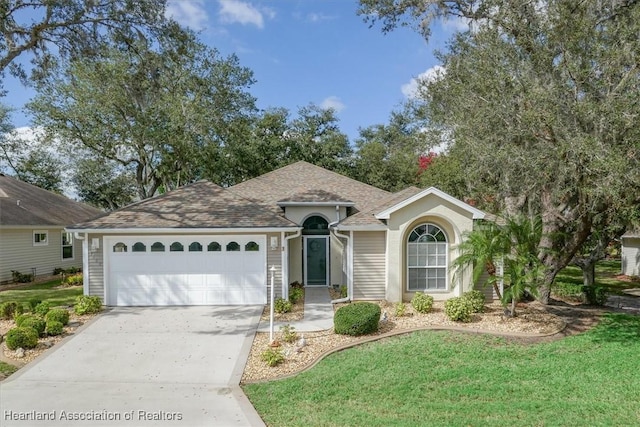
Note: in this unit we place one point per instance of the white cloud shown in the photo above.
(455, 24)
(333, 103)
(190, 13)
(412, 89)
(235, 11)
(317, 17)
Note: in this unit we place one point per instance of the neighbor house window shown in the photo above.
(427, 249)
(67, 245)
(40, 238)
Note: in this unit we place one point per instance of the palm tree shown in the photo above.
(481, 248)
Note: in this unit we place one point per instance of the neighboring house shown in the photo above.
(631, 253)
(203, 244)
(32, 235)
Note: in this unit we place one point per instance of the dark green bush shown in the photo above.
(477, 300)
(596, 295)
(282, 305)
(458, 309)
(33, 303)
(422, 302)
(21, 277)
(295, 294)
(10, 309)
(358, 318)
(21, 318)
(87, 305)
(54, 327)
(43, 308)
(35, 323)
(21, 337)
(59, 315)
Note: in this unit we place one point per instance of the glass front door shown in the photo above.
(316, 262)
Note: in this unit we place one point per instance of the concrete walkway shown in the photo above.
(318, 313)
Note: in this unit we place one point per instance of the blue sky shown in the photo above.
(307, 51)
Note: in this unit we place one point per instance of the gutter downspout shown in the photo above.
(346, 246)
(285, 262)
(85, 261)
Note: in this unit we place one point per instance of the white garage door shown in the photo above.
(198, 270)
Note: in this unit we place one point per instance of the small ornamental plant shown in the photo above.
(477, 299)
(21, 337)
(289, 334)
(458, 309)
(400, 309)
(54, 328)
(272, 357)
(58, 315)
(87, 305)
(282, 305)
(422, 302)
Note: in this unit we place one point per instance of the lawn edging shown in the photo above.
(403, 332)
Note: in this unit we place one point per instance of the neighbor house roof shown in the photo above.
(199, 206)
(23, 204)
(296, 179)
(631, 234)
(367, 219)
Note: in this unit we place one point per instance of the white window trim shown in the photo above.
(446, 266)
(62, 246)
(33, 238)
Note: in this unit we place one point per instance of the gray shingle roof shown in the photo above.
(23, 204)
(302, 177)
(367, 218)
(315, 196)
(199, 205)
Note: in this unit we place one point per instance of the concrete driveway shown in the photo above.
(173, 366)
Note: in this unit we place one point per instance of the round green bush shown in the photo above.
(86, 304)
(358, 318)
(54, 327)
(20, 319)
(21, 337)
(477, 300)
(35, 323)
(422, 302)
(10, 309)
(42, 309)
(59, 315)
(458, 309)
(596, 295)
(282, 305)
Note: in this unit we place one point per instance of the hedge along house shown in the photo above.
(32, 235)
(206, 245)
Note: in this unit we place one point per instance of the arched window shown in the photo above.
(315, 225)
(233, 247)
(176, 247)
(119, 247)
(139, 247)
(427, 250)
(251, 247)
(157, 247)
(195, 247)
(214, 247)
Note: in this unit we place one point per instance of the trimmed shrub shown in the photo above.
(282, 305)
(477, 300)
(73, 280)
(54, 327)
(458, 309)
(42, 309)
(87, 305)
(19, 319)
(422, 302)
(400, 309)
(272, 356)
(58, 315)
(35, 323)
(21, 337)
(295, 294)
(10, 309)
(33, 303)
(358, 318)
(596, 295)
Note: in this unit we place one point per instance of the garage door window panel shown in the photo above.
(119, 247)
(139, 247)
(233, 247)
(195, 247)
(157, 247)
(176, 247)
(252, 247)
(214, 247)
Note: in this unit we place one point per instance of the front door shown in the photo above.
(316, 263)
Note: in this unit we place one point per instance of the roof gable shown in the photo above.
(24, 204)
(475, 213)
(199, 205)
(367, 219)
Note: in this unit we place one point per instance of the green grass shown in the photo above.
(43, 291)
(6, 369)
(453, 379)
(606, 272)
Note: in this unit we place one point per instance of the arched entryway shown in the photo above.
(315, 233)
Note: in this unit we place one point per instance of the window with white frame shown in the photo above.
(67, 245)
(427, 249)
(40, 238)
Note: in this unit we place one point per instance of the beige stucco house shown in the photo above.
(32, 235)
(203, 244)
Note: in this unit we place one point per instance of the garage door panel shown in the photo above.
(188, 277)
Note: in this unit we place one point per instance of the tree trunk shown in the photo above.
(589, 272)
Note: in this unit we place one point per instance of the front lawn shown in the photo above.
(607, 273)
(455, 379)
(44, 292)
